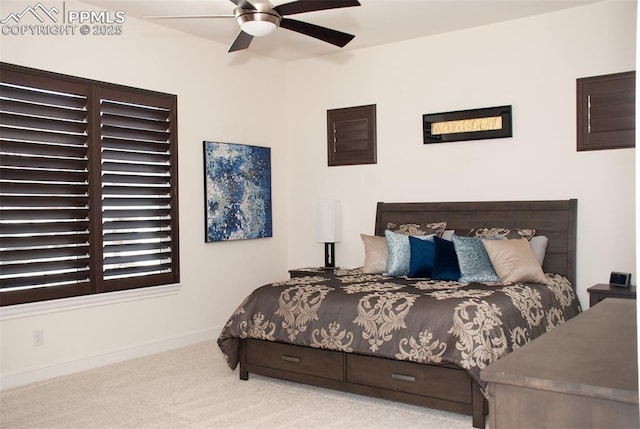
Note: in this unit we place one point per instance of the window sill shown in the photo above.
(54, 306)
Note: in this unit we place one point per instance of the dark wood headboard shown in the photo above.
(555, 219)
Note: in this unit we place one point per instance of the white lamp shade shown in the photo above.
(329, 221)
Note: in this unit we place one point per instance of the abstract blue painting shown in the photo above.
(237, 191)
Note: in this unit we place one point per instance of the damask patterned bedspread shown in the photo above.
(424, 321)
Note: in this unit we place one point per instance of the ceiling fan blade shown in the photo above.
(328, 35)
(302, 6)
(243, 40)
(244, 4)
(187, 16)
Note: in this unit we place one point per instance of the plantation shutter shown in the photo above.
(351, 136)
(88, 187)
(44, 188)
(606, 111)
(137, 198)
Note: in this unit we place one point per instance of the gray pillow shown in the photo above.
(475, 265)
(400, 252)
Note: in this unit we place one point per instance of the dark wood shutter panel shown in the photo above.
(606, 112)
(44, 187)
(138, 206)
(351, 135)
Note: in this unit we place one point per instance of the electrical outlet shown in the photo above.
(38, 337)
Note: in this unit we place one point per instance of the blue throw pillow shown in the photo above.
(473, 259)
(445, 264)
(399, 253)
(422, 257)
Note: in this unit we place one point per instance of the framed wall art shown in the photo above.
(474, 124)
(237, 191)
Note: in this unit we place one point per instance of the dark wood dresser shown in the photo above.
(581, 374)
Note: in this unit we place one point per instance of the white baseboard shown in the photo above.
(32, 375)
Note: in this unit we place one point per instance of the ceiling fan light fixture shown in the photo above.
(258, 28)
(257, 23)
(258, 18)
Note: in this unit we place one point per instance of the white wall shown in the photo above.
(216, 92)
(531, 64)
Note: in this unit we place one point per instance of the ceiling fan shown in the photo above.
(259, 18)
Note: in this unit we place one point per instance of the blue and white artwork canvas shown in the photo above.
(237, 191)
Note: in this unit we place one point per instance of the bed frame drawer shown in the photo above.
(302, 360)
(427, 380)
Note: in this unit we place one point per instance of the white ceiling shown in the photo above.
(376, 22)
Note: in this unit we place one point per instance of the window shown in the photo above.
(88, 187)
(351, 135)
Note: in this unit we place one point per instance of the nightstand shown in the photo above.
(311, 271)
(601, 291)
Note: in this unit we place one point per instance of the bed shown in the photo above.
(417, 340)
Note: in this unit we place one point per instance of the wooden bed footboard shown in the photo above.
(445, 387)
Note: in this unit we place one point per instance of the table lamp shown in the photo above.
(329, 229)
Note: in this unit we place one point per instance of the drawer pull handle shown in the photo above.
(403, 377)
(290, 358)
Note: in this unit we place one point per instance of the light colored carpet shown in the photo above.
(192, 387)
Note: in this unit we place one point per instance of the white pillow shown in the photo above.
(538, 244)
(448, 234)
